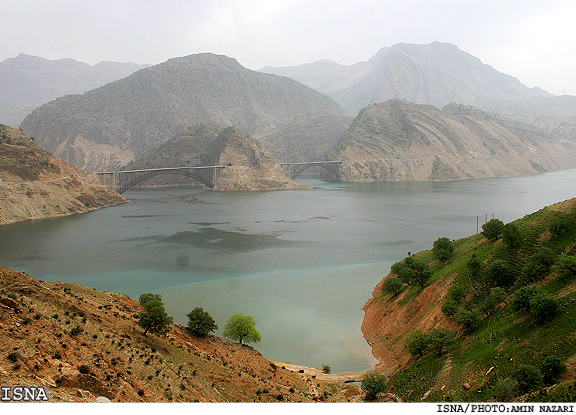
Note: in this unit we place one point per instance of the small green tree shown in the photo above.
(417, 343)
(154, 319)
(504, 390)
(200, 323)
(511, 235)
(412, 271)
(500, 273)
(443, 249)
(539, 264)
(456, 293)
(240, 327)
(551, 368)
(566, 267)
(469, 319)
(496, 297)
(450, 307)
(372, 384)
(559, 227)
(474, 265)
(392, 286)
(528, 378)
(492, 229)
(522, 297)
(144, 298)
(544, 307)
(441, 339)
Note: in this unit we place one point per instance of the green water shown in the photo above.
(302, 262)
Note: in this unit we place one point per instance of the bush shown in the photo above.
(372, 384)
(443, 249)
(84, 369)
(559, 227)
(566, 267)
(441, 339)
(504, 390)
(474, 265)
(392, 286)
(522, 297)
(76, 331)
(13, 357)
(326, 369)
(544, 307)
(417, 343)
(469, 319)
(492, 229)
(494, 299)
(552, 367)
(511, 235)
(539, 264)
(456, 293)
(200, 322)
(528, 378)
(450, 308)
(500, 273)
(412, 271)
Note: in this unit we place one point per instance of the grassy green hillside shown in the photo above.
(495, 332)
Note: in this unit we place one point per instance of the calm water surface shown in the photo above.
(303, 263)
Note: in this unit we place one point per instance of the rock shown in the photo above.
(466, 386)
(102, 399)
(426, 395)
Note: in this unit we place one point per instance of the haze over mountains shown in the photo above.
(435, 74)
(109, 126)
(27, 82)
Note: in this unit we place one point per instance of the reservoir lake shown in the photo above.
(302, 262)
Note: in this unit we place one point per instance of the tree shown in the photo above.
(144, 298)
(469, 319)
(417, 343)
(392, 286)
(504, 390)
(522, 297)
(450, 307)
(544, 307)
(494, 299)
(456, 293)
(443, 249)
(155, 319)
(412, 271)
(241, 327)
(200, 323)
(500, 273)
(474, 265)
(551, 368)
(528, 377)
(559, 227)
(566, 267)
(511, 235)
(372, 384)
(539, 264)
(441, 339)
(492, 229)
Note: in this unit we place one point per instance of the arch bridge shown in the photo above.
(293, 170)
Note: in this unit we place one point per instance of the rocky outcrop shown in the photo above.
(398, 140)
(34, 184)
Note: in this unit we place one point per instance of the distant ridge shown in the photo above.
(109, 126)
(435, 74)
(29, 81)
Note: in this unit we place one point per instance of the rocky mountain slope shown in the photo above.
(84, 345)
(109, 126)
(248, 165)
(435, 74)
(492, 309)
(27, 82)
(398, 140)
(35, 184)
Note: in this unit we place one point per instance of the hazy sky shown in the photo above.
(532, 40)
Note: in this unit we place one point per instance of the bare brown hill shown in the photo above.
(36, 184)
(109, 126)
(82, 344)
(398, 140)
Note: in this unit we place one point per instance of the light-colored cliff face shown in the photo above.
(34, 184)
(250, 167)
(398, 140)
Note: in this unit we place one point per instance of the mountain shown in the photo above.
(28, 81)
(435, 74)
(248, 165)
(398, 140)
(109, 126)
(493, 310)
(84, 345)
(36, 184)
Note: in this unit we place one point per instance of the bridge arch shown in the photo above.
(145, 175)
(332, 167)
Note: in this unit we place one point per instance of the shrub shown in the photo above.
(544, 307)
(500, 273)
(13, 357)
(392, 286)
(443, 249)
(559, 227)
(200, 322)
(76, 331)
(469, 319)
(417, 343)
(372, 384)
(474, 265)
(566, 267)
(552, 367)
(494, 299)
(450, 307)
(441, 339)
(522, 297)
(456, 293)
(504, 390)
(412, 271)
(492, 229)
(511, 235)
(84, 369)
(539, 264)
(528, 378)
(326, 369)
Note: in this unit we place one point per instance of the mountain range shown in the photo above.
(27, 82)
(435, 74)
